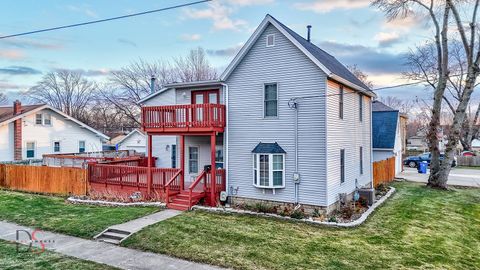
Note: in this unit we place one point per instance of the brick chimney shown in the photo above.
(17, 131)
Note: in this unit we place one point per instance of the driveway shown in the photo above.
(457, 177)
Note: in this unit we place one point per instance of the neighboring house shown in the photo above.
(417, 142)
(30, 131)
(135, 140)
(476, 145)
(286, 120)
(387, 134)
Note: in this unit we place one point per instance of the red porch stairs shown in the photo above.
(182, 200)
(179, 199)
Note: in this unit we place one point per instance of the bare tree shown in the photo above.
(194, 67)
(439, 13)
(362, 76)
(404, 106)
(131, 83)
(65, 90)
(3, 98)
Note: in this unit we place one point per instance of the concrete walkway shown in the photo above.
(100, 252)
(117, 233)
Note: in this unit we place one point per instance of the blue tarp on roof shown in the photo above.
(384, 127)
(268, 148)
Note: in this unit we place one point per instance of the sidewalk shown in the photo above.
(100, 252)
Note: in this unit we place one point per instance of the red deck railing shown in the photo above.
(184, 117)
(121, 175)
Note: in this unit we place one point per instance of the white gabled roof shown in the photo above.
(98, 133)
(130, 134)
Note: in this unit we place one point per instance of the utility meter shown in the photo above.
(296, 177)
(223, 196)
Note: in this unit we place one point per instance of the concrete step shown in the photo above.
(112, 235)
(108, 240)
(118, 231)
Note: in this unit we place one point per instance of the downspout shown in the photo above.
(225, 139)
(371, 145)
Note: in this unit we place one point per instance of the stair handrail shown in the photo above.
(193, 185)
(167, 185)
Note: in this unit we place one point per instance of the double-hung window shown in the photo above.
(340, 102)
(192, 159)
(56, 146)
(39, 119)
(47, 119)
(360, 107)
(342, 165)
(361, 160)
(269, 170)
(270, 100)
(81, 146)
(30, 149)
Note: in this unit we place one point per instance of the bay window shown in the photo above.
(268, 170)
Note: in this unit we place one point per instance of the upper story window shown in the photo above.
(47, 119)
(340, 102)
(43, 119)
(360, 107)
(271, 40)
(81, 146)
(39, 119)
(270, 100)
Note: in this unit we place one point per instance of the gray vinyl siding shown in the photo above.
(296, 76)
(348, 133)
(159, 143)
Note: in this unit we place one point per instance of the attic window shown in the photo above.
(271, 40)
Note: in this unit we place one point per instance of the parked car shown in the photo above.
(467, 154)
(413, 161)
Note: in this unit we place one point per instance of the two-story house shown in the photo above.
(30, 131)
(285, 123)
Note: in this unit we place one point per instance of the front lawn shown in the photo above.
(53, 214)
(417, 228)
(11, 259)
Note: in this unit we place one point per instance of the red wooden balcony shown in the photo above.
(184, 118)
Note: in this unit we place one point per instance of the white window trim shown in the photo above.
(270, 170)
(263, 101)
(85, 146)
(41, 124)
(198, 159)
(59, 144)
(34, 149)
(273, 43)
(43, 119)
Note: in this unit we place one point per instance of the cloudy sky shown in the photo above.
(351, 30)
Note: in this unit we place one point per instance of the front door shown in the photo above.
(203, 97)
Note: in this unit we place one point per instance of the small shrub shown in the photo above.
(332, 219)
(286, 211)
(347, 211)
(261, 208)
(298, 214)
(316, 213)
(363, 201)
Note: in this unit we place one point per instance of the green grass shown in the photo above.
(11, 259)
(53, 214)
(417, 228)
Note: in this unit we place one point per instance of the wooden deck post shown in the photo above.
(182, 161)
(213, 177)
(149, 172)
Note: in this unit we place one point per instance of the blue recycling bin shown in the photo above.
(422, 167)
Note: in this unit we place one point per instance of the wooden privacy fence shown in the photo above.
(383, 171)
(468, 161)
(44, 179)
